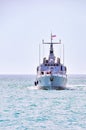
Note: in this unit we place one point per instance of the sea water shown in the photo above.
(22, 107)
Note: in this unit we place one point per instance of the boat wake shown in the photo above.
(33, 88)
(38, 88)
(77, 87)
(68, 87)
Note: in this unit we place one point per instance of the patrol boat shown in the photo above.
(51, 74)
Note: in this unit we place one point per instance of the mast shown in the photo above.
(51, 46)
(51, 53)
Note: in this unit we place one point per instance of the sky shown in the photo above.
(23, 25)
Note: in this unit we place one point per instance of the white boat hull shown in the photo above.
(49, 82)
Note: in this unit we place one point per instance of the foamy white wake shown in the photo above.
(77, 87)
(68, 87)
(33, 88)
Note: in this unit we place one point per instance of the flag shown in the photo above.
(53, 36)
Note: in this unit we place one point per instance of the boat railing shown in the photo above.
(51, 72)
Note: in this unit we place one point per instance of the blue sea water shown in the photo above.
(24, 108)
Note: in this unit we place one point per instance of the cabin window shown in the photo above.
(65, 69)
(42, 72)
(61, 67)
(56, 64)
(46, 61)
(51, 52)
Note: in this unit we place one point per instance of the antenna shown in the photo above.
(39, 54)
(43, 49)
(63, 54)
(60, 50)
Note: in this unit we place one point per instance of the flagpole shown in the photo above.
(51, 37)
